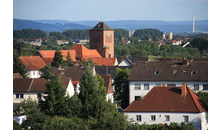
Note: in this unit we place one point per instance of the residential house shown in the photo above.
(81, 41)
(48, 55)
(129, 60)
(60, 42)
(105, 61)
(35, 87)
(145, 75)
(32, 64)
(109, 88)
(169, 104)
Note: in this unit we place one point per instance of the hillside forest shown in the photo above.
(142, 43)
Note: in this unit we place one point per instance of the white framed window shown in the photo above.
(156, 72)
(196, 86)
(186, 119)
(171, 85)
(33, 72)
(19, 96)
(138, 118)
(152, 117)
(205, 86)
(146, 86)
(137, 86)
(39, 96)
(167, 118)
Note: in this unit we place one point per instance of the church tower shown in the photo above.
(101, 38)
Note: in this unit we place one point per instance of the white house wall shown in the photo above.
(194, 118)
(124, 63)
(110, 97)
(33, 74)
(70, 89)
(142, 92)
(26, 95)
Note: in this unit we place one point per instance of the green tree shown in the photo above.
(122, 87)
(90, 95)
(200, 42)
(69, 61)
(18, 66)
(203, 96)
(58, 59)
(54, 101)
(74, 107)
(45, 72)
(89, 62)
(101, 86)
(16, 126)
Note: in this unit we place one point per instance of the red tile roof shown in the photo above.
(32, 62)
(107, 83)
(51, 53)
(168, 99)
(84, 53)
(104, 61)
(75, 83)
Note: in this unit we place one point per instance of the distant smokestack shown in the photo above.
(193, 23)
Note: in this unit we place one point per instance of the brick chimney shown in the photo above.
(164, 85)
(184, 90)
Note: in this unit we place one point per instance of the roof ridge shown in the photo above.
(31, 84)
(192, 93)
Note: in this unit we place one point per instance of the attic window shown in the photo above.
(157, 72)
(174, 71)
(193, 72)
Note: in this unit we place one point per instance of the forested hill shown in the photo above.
(23, 24)
(62, 25)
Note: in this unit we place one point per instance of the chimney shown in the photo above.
(163, 85)
(184, 89)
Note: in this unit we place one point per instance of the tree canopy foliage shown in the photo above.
(29, 34)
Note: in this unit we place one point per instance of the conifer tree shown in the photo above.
(55, 100)
(18, 66)
(69, 61)
(45, 72)
(58, 59)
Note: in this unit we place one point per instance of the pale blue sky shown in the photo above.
(110, 10)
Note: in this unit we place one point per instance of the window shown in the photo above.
(196, 86)
(171, 85)
(157, 72)
(33, 72)
(21, 96)
(193, 72)
(138, 118)
(174, 71)
(186, 119)
(137, 86)
(17, 95)
(146, 86)
(205, 86)
(137, 98)
(38, 95)
(167, 118)
(158, 84)
(153, 117)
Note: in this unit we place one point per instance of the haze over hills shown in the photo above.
(62, 25)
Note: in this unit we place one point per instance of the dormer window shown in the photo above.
(174, 71)
(193, 72)
(157, 72)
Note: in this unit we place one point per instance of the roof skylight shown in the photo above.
(157, 72)
(193, 72)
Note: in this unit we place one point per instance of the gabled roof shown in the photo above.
(132, 60)
(50, 54)
(32, 62)
(168, 99)
(73, 72)
(101, 26)
(169, 71)
(107, 82)
(110, 69)
(33, 84)
(104, 61)
(84, 53)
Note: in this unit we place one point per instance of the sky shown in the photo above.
(110, 10)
